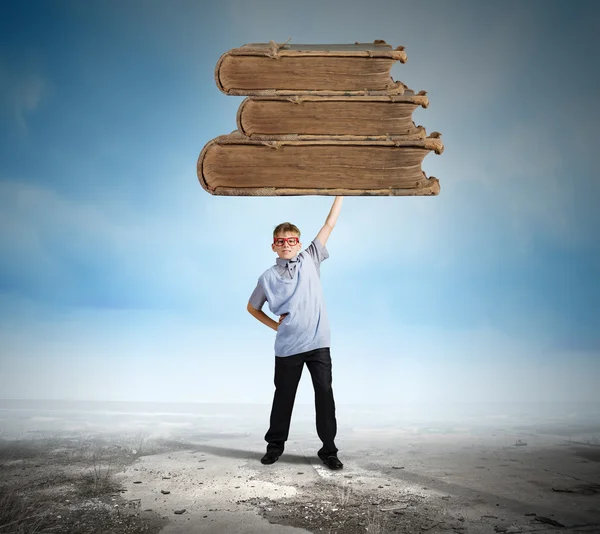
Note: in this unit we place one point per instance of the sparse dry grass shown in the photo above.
(67, 484)
(98, 478)
(18, 514)
(374, 523)
(343, 495)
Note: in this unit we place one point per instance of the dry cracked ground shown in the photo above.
(399, 481)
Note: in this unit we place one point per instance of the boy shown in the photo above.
(292, 287)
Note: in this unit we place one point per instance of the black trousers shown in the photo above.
(288, 371)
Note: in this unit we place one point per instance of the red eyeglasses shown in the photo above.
(291, 241)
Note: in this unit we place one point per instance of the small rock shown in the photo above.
(397, 467)
(165, 492)
(179, 512)
(548, 521)
(138, 482)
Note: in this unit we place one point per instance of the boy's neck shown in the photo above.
(285, 260)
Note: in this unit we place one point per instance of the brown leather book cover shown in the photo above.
(303, 117)
(235, 165)
(329, 69)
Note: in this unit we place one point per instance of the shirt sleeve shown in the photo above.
(317, 251)
(258, 298)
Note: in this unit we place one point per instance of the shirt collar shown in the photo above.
(283, 262)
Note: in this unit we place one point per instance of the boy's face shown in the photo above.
(282, 246)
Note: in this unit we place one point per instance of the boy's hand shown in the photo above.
(281, 318)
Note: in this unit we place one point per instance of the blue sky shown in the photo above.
(122, 279)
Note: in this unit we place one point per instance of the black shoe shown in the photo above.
(270, 458)
(333, 462)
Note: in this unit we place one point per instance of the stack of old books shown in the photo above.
(318, 120)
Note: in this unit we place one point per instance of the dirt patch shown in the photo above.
(327, 507)
(66, 484)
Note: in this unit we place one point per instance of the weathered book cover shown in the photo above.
(303, 117)
(329, 69)
(236, 165)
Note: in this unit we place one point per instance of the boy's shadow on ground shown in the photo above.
(243, 454)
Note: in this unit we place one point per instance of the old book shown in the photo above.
(329, 69)
(303, 117)
(236, 165)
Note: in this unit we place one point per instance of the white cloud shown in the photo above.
(21, 93)
(49, 231)
(27, 96)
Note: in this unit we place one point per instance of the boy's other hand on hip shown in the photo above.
(281, 318)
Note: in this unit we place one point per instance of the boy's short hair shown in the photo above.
(286, 227)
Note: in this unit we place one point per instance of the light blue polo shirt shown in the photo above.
(294, 287)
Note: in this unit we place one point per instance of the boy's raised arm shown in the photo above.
(323, 234)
